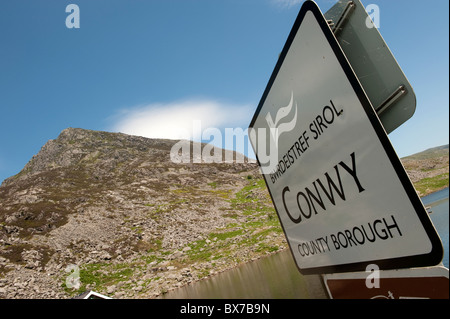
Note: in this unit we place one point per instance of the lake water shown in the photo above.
(439, 206)
(277, 277)
(273, 277)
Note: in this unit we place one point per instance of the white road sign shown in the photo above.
(341, 193)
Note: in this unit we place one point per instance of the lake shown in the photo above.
(438, 202)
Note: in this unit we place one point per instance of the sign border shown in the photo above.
(432, 258)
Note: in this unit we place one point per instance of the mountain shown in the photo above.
(434, 152)
(428, 170)
(111, 212)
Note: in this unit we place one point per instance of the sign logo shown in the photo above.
(73, 279)
(373, 279)
(73, 19)
(373, 20)
(276, 129)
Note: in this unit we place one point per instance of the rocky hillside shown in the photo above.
(428, 170)
(112, 213)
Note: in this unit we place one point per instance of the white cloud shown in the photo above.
(287, 3)
(180, 120)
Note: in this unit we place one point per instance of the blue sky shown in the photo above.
(150, 67)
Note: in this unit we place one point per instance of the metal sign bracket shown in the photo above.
(349, 8)
(382, 79)
(393, 98)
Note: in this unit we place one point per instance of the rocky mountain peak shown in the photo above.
(118, 202)
(78, 147)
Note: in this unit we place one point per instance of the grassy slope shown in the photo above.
(429, 169)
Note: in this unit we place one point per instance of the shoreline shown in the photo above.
(255, 258)
(216, 273)
(434, 191)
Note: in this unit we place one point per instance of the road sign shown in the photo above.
(415, 283)
(381, 77)
(341, 193)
